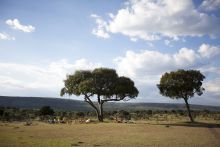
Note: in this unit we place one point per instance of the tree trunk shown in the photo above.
(188, 109)
(100, 116)
(87, 99)
(98, 109)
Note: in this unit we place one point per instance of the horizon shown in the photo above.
(124, 102)
(41, 42)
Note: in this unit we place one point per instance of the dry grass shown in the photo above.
(109, 134)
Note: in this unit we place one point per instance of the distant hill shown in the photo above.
(76, 105)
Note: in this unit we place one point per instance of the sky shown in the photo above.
(43, 41)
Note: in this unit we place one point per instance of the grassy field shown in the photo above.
(110, 134)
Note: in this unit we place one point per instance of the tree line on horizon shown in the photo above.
(106, 85)
(45, 113)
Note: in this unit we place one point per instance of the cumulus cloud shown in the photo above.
(15, 24)
(101, 29)
(209, 51)
(151, 63)
(185, 57)
(4, 36)
(32, 80)
(210, 5)
(155, 19)
(213, 86)
(147, 66)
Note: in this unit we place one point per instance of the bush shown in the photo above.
(124, 115)
(1, 112)
(149, 112)
(46, 110)
(80, 115)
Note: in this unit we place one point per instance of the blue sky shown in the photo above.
(42, 41)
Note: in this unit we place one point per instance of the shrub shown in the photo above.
(46, 110)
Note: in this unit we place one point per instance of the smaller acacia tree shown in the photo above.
(182, 84)
(103, 83)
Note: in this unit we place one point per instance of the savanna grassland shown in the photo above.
(143, 133)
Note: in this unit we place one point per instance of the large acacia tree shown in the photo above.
(102, 83)
(182, 84)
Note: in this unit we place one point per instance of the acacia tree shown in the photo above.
(103, 83)
(182, 84)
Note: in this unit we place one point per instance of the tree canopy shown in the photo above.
(101, 82)
(182, 84)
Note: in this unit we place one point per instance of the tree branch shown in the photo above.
(88, 100)
(98, 98)
(111, 100)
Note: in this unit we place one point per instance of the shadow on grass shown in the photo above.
(194, 124)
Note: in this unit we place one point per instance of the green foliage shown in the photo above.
(12, 114)
(78, 83)
(1, 111)
(180, 112)
(181, 84)
(149, 112)
(80, 115)
(123, 114)
(46, 110)
(101, 81)
(104, 81)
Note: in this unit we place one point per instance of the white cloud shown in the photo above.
(153, 63)
(136, 65)
(155, 19)
(101, 29)
(210, 5)
(15, 24)
(209, 51)
(213, 86)
(4, 36)
(29, 80)
(147, 66)
(185, 57)
(11, 83)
